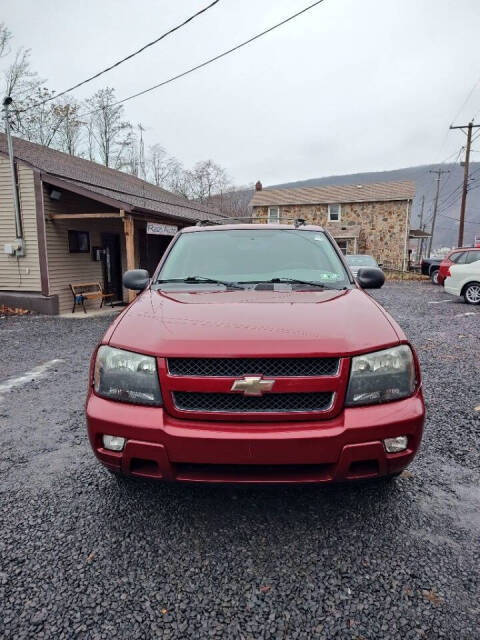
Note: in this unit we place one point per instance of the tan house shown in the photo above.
(363, 218)
(80, 222)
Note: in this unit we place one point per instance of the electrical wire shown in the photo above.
(457, 220)
(207, 62)
(477, 82)
(119, 62)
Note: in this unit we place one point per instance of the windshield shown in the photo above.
(256, 255)
(361, 261)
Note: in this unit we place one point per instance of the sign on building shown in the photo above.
(157, 229)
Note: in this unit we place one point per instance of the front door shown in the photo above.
(112, 264)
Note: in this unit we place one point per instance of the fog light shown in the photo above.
(114, 443)
(395, 445)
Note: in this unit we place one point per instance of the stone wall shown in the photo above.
(382, 233)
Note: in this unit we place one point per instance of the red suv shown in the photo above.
(457, 256)
(253, 355)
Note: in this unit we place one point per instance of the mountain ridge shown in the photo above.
(446, 228)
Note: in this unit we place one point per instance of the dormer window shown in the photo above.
(334, 212)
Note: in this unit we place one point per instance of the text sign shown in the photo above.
(161, 229)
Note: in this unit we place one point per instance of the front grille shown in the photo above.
(269, 403)
(235, 367)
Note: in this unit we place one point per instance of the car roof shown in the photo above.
(464, 249)
(359, 255)
(249, 227)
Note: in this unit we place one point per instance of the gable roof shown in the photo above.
(342, 193)
(121, 189)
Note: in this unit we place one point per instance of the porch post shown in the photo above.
(129, 230)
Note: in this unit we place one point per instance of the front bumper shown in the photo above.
(347, 447)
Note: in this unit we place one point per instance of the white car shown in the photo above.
(464, 280)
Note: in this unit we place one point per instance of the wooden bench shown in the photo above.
(88, 291)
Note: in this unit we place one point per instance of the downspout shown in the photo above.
(19, 251)
(407, 220)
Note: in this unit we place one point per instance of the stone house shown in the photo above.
(79, 222)
(363, 218)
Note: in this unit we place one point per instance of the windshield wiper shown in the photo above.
(292, 281)
(200, 279)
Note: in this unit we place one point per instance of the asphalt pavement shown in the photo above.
(81, 557)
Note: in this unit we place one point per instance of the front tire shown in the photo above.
(471, 293)
(434, 276)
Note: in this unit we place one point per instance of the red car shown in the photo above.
(253, 355)
(457, 256)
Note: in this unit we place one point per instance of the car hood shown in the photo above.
(253, 323)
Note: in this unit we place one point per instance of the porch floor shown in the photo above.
(104, 311)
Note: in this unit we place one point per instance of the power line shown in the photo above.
(457, 219)
(119, 62)
(448, 205)
(463, 205)
(206, 62)
(467, 98)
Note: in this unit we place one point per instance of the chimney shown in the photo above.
(258, 186)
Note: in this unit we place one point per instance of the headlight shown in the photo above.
(381, 376)
(126, 376)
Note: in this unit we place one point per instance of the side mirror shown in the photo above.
(136, 279)
(370, 278)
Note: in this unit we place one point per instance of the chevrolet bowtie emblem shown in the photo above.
(253, 385)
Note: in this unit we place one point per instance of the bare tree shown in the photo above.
(166, 171)
(40, 122)
(235, 202)
(19, 79)
(206, 179)
(110, 133)
(69, 134)
(5, 37)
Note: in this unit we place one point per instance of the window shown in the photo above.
(252, 256)
(78, 242)
(456, 257)
(273, 215)
(334, 211)
(342, 245)
(472, 256)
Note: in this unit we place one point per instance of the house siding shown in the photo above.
(383, 225)
(22, 273)
(65, 267)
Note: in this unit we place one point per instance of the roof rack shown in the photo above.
(298, 222)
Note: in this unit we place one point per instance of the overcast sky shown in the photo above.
(350, 86)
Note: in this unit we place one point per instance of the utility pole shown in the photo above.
(16, 202)
(439, 177)
(420, 244)
(469, 127)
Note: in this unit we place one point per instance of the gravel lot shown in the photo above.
(82, 558)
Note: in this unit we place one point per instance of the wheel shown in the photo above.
(434, 276)
(471, 293)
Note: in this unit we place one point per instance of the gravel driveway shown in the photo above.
(82, 558)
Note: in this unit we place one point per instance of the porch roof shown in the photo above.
(418, 233)
(108, 185)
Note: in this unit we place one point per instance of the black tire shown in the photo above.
(434, 276)
(471, 293)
